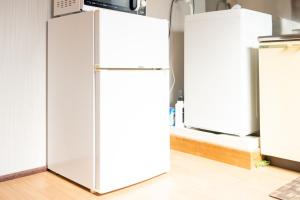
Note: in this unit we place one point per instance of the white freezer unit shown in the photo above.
(220, 86)
(108, 98)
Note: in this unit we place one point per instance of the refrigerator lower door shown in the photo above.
(132, 134)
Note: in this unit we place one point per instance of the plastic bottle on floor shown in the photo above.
(179, 112)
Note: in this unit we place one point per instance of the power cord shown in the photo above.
(190, 2)
(225, 3)
(193, 6)
(170, 25)
(170, 16)
(171, 67)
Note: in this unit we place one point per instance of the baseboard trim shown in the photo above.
(22, 173)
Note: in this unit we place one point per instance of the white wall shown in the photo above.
(23, 84)
(276, 7)
(283, 12)
(279, 9)
(161, 9)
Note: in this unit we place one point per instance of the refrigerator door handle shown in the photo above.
(98, 68)
(280, 46)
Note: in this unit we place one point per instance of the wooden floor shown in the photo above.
(191, 178)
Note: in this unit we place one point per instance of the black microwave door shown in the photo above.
(120, 5)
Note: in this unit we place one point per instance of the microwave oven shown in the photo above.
(63, 7)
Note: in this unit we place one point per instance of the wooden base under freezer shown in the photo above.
(240, 158)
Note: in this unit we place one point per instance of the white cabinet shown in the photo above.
(221, 70)
(279, 71)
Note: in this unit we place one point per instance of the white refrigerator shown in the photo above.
(108, 98)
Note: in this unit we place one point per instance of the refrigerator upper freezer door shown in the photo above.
(71, 97)
(132, 135)
(130, 41)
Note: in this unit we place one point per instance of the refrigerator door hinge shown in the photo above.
(97, 67)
